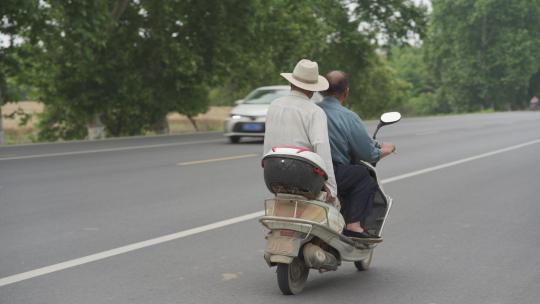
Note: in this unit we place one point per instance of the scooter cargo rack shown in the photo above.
(296, 208)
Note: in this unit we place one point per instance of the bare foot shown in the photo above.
(354, 227)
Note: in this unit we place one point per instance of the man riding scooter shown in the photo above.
(294, 120)
(305, 231)
(350, 144)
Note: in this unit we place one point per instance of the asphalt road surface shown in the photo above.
(466, 230)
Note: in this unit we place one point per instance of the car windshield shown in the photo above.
(264, 96)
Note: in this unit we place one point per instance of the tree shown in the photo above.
(374, 85)
(394, 22)
(155, 58)
(484, 53)
(334, 41)
(128, 63)
(15, 18)
(411, 68)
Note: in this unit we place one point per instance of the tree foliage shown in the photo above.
(484, 53)
(127, 63)
(410, 66)
(15, 18)
(395, 21)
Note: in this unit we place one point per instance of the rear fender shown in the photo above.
(273, 260)
(282, 246)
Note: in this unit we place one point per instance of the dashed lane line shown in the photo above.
(198, 162)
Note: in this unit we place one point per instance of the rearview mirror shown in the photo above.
(387, 118)
(390, 118)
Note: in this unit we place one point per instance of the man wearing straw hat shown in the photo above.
(294, 120)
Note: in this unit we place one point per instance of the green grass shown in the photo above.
(18, 137)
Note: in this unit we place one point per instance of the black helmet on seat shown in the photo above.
(294, 170)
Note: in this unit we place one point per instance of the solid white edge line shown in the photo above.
(457, 162)
(111, 149)
(110, 139)
(174, 236)
(125, 249)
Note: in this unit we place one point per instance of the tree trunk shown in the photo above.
(119, 8)
(1, 128)
(193, 122)
(483, 49)
(162, 126)
(95, 128)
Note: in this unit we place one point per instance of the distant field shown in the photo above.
(209, 121)
(29, 107)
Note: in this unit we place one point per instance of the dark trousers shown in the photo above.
(356, 189)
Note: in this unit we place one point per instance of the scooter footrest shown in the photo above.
(363, 245)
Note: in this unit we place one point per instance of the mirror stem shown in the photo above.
(377, 130)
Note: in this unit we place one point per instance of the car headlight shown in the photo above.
(235, 116)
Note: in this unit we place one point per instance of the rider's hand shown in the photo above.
(387, 149)
(327, 197)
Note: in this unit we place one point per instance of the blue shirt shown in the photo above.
(349, 139)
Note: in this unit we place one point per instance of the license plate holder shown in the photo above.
(252, 127)
(283, 245)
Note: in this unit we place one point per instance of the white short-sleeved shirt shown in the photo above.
(294, 120)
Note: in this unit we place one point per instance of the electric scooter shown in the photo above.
(305, 231)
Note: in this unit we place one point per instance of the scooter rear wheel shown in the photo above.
(292, 277)
(365, 263)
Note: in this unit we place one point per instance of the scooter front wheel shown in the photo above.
(365, 263)
(292, 277)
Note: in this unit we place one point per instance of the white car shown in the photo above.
(247, 119)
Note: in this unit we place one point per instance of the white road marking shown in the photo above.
(178, 235)
(197, 162)
(109, 139)
(125, 249)
(111, 149)
(429, 132)
(7, 155)
(458, 162)
(230, 276)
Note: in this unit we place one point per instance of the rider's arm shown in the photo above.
(362, 146)
(318, 136)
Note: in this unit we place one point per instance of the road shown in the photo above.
(465, 231)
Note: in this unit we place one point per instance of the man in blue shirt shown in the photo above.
(349, 144)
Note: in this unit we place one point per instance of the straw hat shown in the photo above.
(306, 76)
